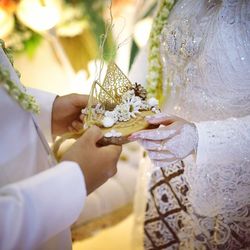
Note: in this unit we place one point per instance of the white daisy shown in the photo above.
(134, 104)
(122, 111)
(108, 122)
(112, 114)
(153, 102)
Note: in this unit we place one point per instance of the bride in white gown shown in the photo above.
(199, 190)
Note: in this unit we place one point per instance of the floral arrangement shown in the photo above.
(133, 102)
(154, 78)
(117, 107)
(120, 104)
(26, 101)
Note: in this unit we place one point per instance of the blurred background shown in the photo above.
(56, 47)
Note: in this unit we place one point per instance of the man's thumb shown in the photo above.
(93, 134)
(79, 100)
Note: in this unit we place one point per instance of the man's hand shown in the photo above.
(97, 163)
(66, 112)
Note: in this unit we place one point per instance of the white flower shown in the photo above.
(99, 109)
(122, 112)
(108, 135)
(144, 105)
(108, 122)
(154, 75)
(153, 102)
(15, 92)
(155, 110)
(24, 103)
(112, 114)
(128, 95)
(134, 104)
(154, 63)
(130, 106)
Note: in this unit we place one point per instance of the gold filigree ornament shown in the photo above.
(117, 106)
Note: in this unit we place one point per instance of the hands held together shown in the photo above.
(174, 140)
(98, 164)
(66, 112)
(170, 143)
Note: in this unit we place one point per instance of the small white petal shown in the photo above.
(108, 122)
(108, 135)
(152, 102)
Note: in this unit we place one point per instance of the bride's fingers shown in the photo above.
(164, 163)
(162, 156)
(153, 145)
(153, 134)
(162, 118)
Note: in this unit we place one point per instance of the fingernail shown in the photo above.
(157, 117)
(132, 138)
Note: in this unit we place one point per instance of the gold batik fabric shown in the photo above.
(171, 223)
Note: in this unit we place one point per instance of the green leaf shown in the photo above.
(134, 51)
(31, 45)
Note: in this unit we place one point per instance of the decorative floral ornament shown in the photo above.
(26, 101)
(132, 103)
(154, 78)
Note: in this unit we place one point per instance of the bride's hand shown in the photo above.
(174, 141)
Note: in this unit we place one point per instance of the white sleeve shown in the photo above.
(220, 181)
(45, 101)
(38, 208)
(223, 141)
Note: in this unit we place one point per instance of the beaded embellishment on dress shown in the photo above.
(205, 51)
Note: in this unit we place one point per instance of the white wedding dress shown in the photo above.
(203, 202)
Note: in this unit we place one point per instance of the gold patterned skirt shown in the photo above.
(171, 223)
